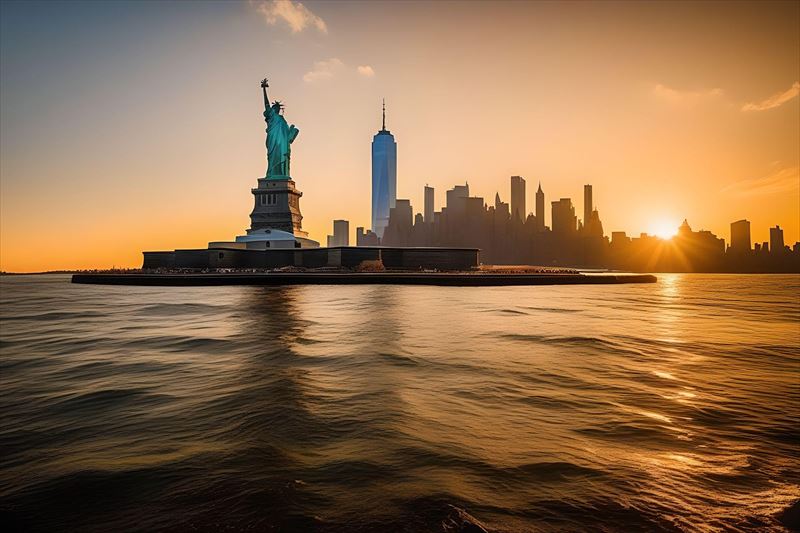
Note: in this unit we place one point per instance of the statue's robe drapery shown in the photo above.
(279, 139)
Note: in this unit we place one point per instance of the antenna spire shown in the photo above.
(384, 114)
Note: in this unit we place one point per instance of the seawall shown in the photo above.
(465, 279)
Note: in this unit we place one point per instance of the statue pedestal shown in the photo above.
(277, 207)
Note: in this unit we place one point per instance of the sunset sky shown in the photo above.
(137, 126)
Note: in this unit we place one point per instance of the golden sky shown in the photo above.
(137, 126)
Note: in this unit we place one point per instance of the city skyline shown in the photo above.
(470, 221)
(131, 147)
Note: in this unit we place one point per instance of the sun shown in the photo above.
(664, 229)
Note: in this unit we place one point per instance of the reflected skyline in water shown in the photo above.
(639, 407)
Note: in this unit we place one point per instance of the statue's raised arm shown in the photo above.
(264, 85)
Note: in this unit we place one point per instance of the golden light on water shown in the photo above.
(673, 400)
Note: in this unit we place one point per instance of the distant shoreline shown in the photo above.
(586, 270)
(471, 279)
(76, 271)
(41, 273)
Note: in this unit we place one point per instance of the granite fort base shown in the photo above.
(345, 256)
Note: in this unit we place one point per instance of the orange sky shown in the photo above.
(137, 126)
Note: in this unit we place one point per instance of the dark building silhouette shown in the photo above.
(592, 226)
(456, 199)
(776, 245)
(540, 209)
(740, 236)
(699, 250)
(401, 224)
(587, 203)
(501, 208)
(428, 205)
(563, 217)
(518, 198)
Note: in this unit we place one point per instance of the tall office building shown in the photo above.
(518, 198)
(776, 240)
(384, 176)
(404, 214)
(587, 204)
(540, 208)
(341, 234)
(428, 205)
(740, 236)
(456, 201)
(474, 207)
(564, 219)
(401, 224)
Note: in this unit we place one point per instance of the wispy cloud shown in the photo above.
(366, 71)
(295, 14)
(323, 70)
(678, 96)
(328, 68)
(775, 100)
(780, 180)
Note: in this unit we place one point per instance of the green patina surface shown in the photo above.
(280, 136)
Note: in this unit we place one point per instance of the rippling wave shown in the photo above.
(664, 407)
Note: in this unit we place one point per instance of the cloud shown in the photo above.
(295, 14)
(366, 71)
(775, 100)
(781, 180)
(327, 69)
(323, 70)
(677, 96)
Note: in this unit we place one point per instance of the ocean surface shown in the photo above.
(672, 406)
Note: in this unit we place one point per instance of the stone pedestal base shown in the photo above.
(277, 208)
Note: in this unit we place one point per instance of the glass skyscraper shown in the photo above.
(384, 177)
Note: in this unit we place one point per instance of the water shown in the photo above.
(668, 406)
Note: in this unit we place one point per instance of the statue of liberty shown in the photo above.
(279, 138)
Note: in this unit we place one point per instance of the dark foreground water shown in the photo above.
(668, 406)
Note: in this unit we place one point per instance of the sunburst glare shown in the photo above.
(664, 229)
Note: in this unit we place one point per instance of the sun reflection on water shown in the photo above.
(610, 407)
